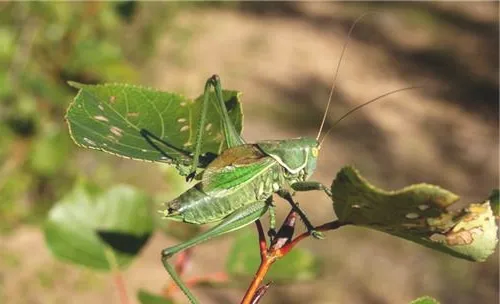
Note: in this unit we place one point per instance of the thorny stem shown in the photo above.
(277, 250)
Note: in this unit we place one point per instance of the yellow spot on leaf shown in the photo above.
(100, 118)
(412, 216)
(116, 131)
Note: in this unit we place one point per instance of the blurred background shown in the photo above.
(282, 57)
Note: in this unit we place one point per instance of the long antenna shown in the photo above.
(344, 47)
(365, 104)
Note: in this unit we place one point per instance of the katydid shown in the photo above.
(236, 187)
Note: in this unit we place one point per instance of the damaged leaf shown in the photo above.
(110, 117)
(418, 213)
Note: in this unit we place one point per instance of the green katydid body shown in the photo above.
(242, 175)
(235, 188)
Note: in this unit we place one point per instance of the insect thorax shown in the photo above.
(297, 156)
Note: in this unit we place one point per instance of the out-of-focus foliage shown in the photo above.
(97, 229)
(425, 300)
(149, 298)
(44, 44)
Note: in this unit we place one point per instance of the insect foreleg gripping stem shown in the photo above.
(288, 197)
(310, 186)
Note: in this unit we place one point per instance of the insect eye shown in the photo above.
(314, 152)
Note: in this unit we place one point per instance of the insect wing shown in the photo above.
(234, 168)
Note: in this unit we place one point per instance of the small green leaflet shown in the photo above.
(109, 117)
(88, 224)
(146, 297)
(425, 300)
(417, 213)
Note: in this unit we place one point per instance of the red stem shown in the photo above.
(262, 240)
(269, 256)
(325, 227)
(120, 286)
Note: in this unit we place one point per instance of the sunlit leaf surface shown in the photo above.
(418, 213)
(109, 118)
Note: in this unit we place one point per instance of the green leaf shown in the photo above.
(425, 300)
(149, 298)
(244, 259)
(87, 224)
(417, 213)
(49, 152)
(109, 117)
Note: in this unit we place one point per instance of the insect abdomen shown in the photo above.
(197, 207)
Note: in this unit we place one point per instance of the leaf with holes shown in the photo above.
(417, 213)
(96, 229)
(109, 118)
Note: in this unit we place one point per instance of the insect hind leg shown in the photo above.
(238, 219)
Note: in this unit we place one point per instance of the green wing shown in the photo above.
(110, 118)
(235, 167)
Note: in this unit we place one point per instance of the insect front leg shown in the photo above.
(311, 185)
(288, 197)
(238, 219)
(231, 136)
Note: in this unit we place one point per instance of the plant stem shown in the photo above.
(117, 276)
(277, 251)
(120, 286)
(325, 227)
(265, 262)
(259, 276)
